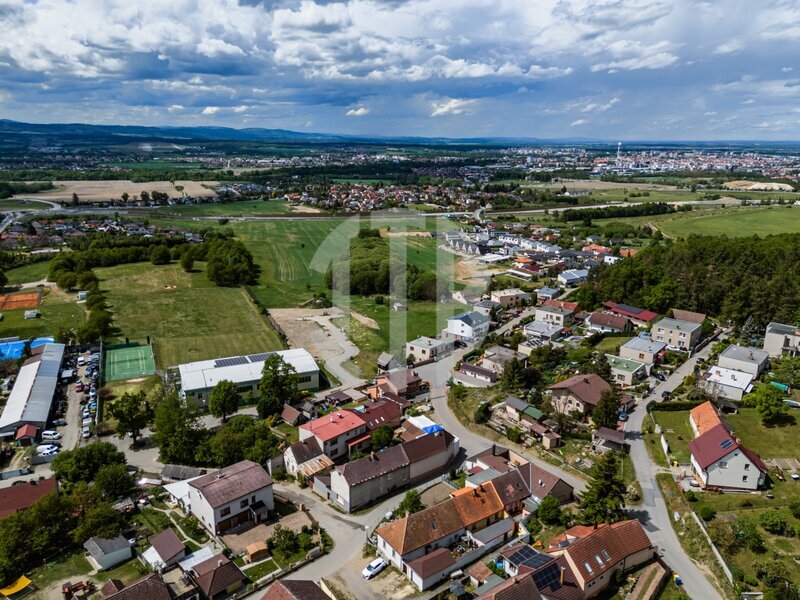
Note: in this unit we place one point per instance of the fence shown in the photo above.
(716, 552)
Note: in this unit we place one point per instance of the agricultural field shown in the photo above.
(58, 311)
(246, 207)
(183, 313)
(102, 191)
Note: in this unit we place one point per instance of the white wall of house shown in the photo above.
(734, 471)
(210, 517)
(112, 559)
(353, 497)
(639, 355)
(752, 367)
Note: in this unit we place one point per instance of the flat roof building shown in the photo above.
(199, 378)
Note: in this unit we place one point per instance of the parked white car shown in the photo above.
(52, 452)
(45, 448)
(373, 568)
(86, 432)
(51, 435)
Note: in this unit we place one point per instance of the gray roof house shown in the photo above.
(742, 358)
(108, 553)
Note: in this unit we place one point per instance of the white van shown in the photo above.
(51, 435)
(81, 361)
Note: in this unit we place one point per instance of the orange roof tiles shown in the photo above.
(705, 417)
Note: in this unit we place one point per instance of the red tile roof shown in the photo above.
(705, 417)
(333, 425)
(20, 497)
(301, 589)
(430, 564)
(713, 445)
(599, 551)
(26, 430)
(608, 320)
(639, 314)
(216, 574)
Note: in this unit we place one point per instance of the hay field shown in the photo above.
(104, 190)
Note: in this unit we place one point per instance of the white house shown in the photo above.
(510, 297)
(720, 462)
(467, 326)
(554, 315)
(782, 339)
(726, 383)
(426, 348)
(166, 549)
(108, 552)
(742, 358)
(236, 494)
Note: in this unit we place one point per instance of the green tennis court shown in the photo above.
(127, 363)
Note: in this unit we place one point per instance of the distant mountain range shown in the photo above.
(126, 134)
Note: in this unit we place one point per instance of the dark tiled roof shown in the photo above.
(300, 589)
(605, 547)
(374, 465)
(427, 445)
(608, 320)
(305, 450)
(99, 547)
(180, 472)
(586, 388)
(167, 544)
(20, 497)
(510, 488)
(230, 483)
(150, 587)
(430, 564)
(290, 414)
(216, 574)
(539, 481)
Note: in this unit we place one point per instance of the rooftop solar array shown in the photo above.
(726, 443)
(630, 309)
(231, 362)
(548, 577)
(529, 557)
(253, 358)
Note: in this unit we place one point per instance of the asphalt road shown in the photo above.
(656, 517)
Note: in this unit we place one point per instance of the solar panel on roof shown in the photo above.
(631, 309)
(548, 577)
(259, 357)
(726, 443)
(230, 362)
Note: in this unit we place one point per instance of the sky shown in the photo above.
(600, 69)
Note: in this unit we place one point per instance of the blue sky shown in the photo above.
(609, 69)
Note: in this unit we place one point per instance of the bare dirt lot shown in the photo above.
(100, 191)
(304, 330)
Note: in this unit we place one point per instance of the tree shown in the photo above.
(768, 401)
(747, 531)
(82, 464)
(159, 255)
(75, 199)
(187, 261)
(603, 501)
(513, 375)
(66, 281)
(224, 399)
(113, 481)
(606, 413)
(178, 433)
(277, 387)
(549, 511)
(381, 437)
(3, 279)
(772, 521)
(410, 504)
(132, 412)
(101, 521)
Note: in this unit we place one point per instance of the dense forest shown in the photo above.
(732, 279)
(8, 189)
(369, 269)
(644, 209)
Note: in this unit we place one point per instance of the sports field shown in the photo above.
(188, 317)
(128, 363)
(21, 300)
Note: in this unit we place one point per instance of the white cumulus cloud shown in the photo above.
(358, 112)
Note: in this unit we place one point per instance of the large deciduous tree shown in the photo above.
(224, 399)
(277, 387)
(132, 412)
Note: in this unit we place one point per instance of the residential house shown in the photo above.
(337, 433)
(688, 315)
(594, 559)
(474, 376)
(542, 483)
(547, 293)
(165, 550)
(515, 408)
(703, 418)
(172, 473)
(721, 463)
(467, 326)
(579, 392)
(387, 362)
(638, 316)
(172, 585)
(726, 383)
(217, 577)
(300, 589)
(554, 315)
(108, 552)
(542, 331)
(573, 277)
(20, 497)
(605, 439)
(233, 495)
(510, 297)
(741, 358)
(426, 348)
(488, 308)
(642, 349)
(782, 339)
(552, 580)
(495, 457)
(306, 458)
(362, 481)
(680, 335)
(600, 322)
(466, 297)
(497, 358)
(626, 372)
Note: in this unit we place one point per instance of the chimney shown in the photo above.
(561, 576)
(220, 562)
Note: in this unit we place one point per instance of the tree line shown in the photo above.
(9, 188)
(731, 278)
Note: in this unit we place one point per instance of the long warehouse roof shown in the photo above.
(33, 391)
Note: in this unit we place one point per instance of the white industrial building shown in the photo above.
(199, 378)
(32, 396)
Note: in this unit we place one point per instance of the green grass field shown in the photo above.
(57, 311)
(678, 432)
(187, 317)
(28, 273)
(129, 363)
(21, 204)
(776, 441)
